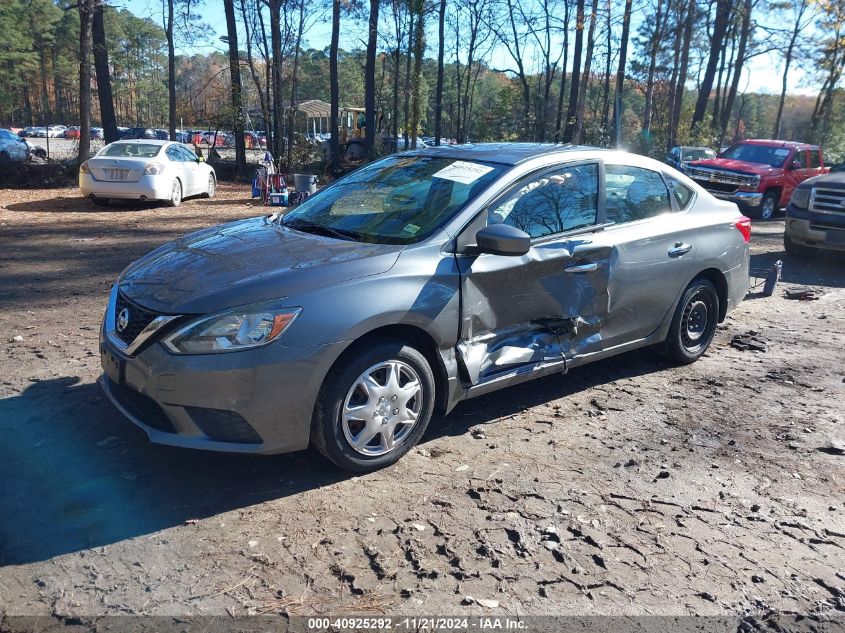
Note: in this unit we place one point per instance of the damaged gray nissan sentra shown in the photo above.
(417, 281)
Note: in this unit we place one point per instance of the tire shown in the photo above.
(101, 202)
(387, 428)
(175, 194)
(797, 250)
(768, 206)
(211, 187)
(694, 322)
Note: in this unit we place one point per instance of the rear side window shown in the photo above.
(815, 159)
(682, 193)
(634, 193)
(800, 157)
(559, 200)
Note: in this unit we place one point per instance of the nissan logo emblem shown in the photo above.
(123, 320)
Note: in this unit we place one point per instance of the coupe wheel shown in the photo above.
(175, 194)
(694, 323)
(211, 188)
(374, 407)
(768, 206)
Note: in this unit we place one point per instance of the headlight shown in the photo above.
(801, 198)
(84, 169)
(234, 330)
(153, 169)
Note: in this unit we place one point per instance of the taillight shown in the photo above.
(743, 225)
(84, 169)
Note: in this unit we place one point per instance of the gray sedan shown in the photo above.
(414, 283)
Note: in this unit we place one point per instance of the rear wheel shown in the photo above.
(175, 194)
(694, 323)
(374, 406)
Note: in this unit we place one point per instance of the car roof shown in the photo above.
(145, 141)
(771, 143)
(506, 153)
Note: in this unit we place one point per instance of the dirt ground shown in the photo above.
(625, 487)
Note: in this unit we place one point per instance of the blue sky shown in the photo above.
(763, 74)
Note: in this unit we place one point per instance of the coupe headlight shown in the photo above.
(153, 169)
(801, 197)
(234, 330)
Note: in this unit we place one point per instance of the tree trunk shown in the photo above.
(171, 74)
(334, 122)
(294, 84)
(407, 121)
(720, 26)
(796, 30)
(416, 84)
(620, 76)
(101, 66)
(575, 83)
(237, 97)
(562, 92)
(739, 63)
(438, 94)
(370, 81)
(678, 101)
(265, 112)
(86, 17)
(652, 65)
(605, 109)
(578, 131)
(278, 100)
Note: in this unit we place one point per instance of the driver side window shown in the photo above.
(558, 200)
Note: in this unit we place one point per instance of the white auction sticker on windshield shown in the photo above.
(781, 153)
(463, 172)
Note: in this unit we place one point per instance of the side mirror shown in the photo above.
(503, 239)
(796, 165)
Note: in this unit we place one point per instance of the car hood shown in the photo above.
(733, 165)
(244, 262)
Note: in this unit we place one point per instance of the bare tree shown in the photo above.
(739, 62)
(578, 130)
(86, 17)
(801, 20)
(620, 76)
(370, 79)
(438, 94)
(334, 88)
(720, 27)
(103, 72)
(575, 83)
(237, 97)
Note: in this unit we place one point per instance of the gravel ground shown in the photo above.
(626, 487)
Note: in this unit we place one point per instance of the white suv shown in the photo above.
(12, 147)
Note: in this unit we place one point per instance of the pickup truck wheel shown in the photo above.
(694, 323)
(768, 206)
(374, 406)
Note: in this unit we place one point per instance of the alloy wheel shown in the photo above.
(212, 185)
(768, 208)
(381, 408)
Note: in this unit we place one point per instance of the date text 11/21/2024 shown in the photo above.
(418, 623)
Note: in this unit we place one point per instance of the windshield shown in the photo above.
(397, 200)
(761, 154)
(698, 153)
(131, 150)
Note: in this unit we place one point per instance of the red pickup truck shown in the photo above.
(758, 175)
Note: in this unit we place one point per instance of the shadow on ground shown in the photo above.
(74, 474)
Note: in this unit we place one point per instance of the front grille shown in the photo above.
(142, 407)
(708, 177)
(139, 319)
(223, 426)
(720, 187)
(828, 201)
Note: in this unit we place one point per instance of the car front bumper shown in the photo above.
(803, 232)
(742, 198)
(147, 188)
(256, 401)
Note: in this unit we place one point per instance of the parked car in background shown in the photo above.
(679, 156)
(138, 132)
(253, 141)
(815, 216)
(145, 170)
(758, 175)
(72, 132)
(56, 131)
(97, 133)
(38, 132)
(27, 131)
(411, 284)
(12, 147)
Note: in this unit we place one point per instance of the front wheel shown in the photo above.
(768, 206)
(694, 323)
(175, 194)
(211, 187)
(374, 407)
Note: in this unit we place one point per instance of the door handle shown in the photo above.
(586, 267)
(679, 249)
